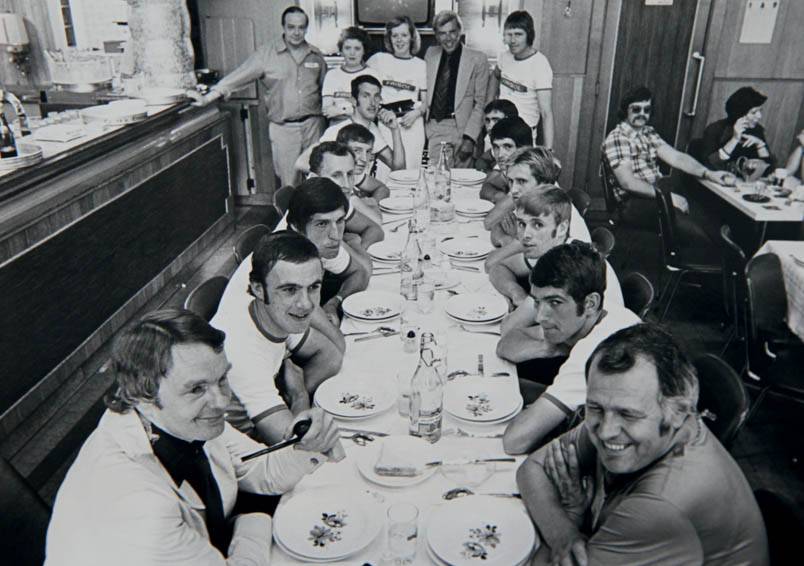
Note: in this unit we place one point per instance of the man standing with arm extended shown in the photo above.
(292, 73)
(642, 480)
(457, 79)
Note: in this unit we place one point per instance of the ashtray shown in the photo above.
(782, 193)
(756, 198)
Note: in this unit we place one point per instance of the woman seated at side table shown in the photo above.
(738, 135)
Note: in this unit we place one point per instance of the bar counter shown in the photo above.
(89, 234)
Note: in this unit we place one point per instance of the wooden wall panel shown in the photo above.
(565, 40)
(229, 41)
(58, 293)
(567, 96)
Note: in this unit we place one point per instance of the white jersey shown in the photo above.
(338, 85)
(521, 79)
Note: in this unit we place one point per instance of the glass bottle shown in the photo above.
(8, 148)
(421, 203)
(443, 174)
(426, 394)
(410, 269)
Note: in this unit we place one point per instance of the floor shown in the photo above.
(770, 449)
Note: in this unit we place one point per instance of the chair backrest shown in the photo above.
(24, 519)
(668, 238)
(722, 401)
(784, 528)
(282, 199)
(609, 181)
(247, 241)
(638, 293)
(767, 301)
(204, 299)
(603, 241)
(581, 200)
(733, 260)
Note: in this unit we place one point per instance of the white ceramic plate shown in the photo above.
(414, 451)
(468, 176)
(386, 251)
(477, 307)
(354, 397)
(461, 531)
(397, 205)
(480, 323)
(472, 207)
(506, 418)
(466, 248)
(327, 523)
(373, 305)
(480, 399)
(404, 176)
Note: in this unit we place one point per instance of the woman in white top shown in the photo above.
(406, 79)
(337, 90)
(524, 76)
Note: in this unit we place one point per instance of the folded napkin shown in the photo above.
(396, 463)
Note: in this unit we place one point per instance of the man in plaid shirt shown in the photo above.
(633, 150)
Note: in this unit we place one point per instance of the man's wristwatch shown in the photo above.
(703, 174)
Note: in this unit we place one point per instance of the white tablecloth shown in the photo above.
(791, 256)
(383, 357)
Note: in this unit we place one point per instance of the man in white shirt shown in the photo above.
(361, 141)
(507, 135)
(543, 222)
(564, 317)
(268, 317)
(156, 482)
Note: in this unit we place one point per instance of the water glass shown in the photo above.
(402, 532)
(426, 297)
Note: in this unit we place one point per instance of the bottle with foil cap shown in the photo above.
(426, 394)
(442, 207)
(421, 203)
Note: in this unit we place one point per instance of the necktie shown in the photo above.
(439, 109)
(187, 461)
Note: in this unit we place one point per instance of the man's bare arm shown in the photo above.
(530, 427)
(503, 277)
(319, 358)
(368, 230)
(500, 254)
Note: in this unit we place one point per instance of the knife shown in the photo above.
(360, 430)
(475, 461)
(373, 336)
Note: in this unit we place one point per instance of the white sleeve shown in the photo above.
(543, 74)
(251, 376)
(328, 89)
(339, 263)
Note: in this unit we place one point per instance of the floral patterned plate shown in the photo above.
(477, 307)
(327, 523)
(466, 249)
(353, 398)
(385, 251)
(373, 305)
(481, 530)
(480, 399)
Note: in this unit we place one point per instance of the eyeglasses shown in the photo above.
(640, 109)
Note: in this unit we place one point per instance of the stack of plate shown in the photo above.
(397, 205)
(476, 308)
(481, 400)
(466, 248)
(159, 96)
(469, 178)
(354, 398)
(481, 530)
(385, 252)
(472, 208)
(327, 524)
(116, 113)
(27, 155)
(374, 306)
(403, 179)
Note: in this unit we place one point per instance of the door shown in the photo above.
(660, 46)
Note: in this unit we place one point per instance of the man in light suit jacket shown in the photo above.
(457, 78)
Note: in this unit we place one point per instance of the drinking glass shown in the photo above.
(402, 532)
(426, 297)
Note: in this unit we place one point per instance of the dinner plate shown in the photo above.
(479, 399)
(409, 449)
(473, 323)
(404, 176)
(354, 397)
(472, 207)
(481, 530)
(520, 404)
(477, 307)
(386, 251)
(327, 523)
(468, 176)
(372, 305)
(397, 205)
(466, 248)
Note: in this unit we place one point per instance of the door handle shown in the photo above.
(701, 62)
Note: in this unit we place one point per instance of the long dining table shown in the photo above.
(381, 359)
(791, 258)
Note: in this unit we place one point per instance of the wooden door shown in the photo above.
(654, 48)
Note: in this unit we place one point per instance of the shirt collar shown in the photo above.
(306, 46)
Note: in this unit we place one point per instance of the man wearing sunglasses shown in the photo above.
(633, 150)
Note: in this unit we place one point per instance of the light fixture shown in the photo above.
(14, 41)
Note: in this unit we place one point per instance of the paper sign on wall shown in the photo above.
(759, 21)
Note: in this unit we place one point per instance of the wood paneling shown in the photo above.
(229, 41)
(40, 33)
(567, 93)
(565, 40)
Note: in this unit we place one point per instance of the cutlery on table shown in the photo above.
(373, 336)
(384, 272)
(474, 461)
(472, 331)
(799, 262)
(466, 268)
(480, 367)
(381, 330)
(358, 438)
(362, 431)
(462, 372)
(456, 492)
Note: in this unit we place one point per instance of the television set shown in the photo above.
(374, 14)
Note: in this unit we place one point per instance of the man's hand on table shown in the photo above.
(203, 99)
(323, 435)
(331, 310)
(722, 177)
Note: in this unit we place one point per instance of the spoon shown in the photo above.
(358, 438)
(456, 492)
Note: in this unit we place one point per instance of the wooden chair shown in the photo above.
(722, 401)
(678, 261)
(247, 241)
(638, 293)
(603, 241)
(581, 200)
(609, 181)
(24, 519)
(204, 299)
(775, 355)
(281, 199)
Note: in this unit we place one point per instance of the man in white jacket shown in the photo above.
(157, 481)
